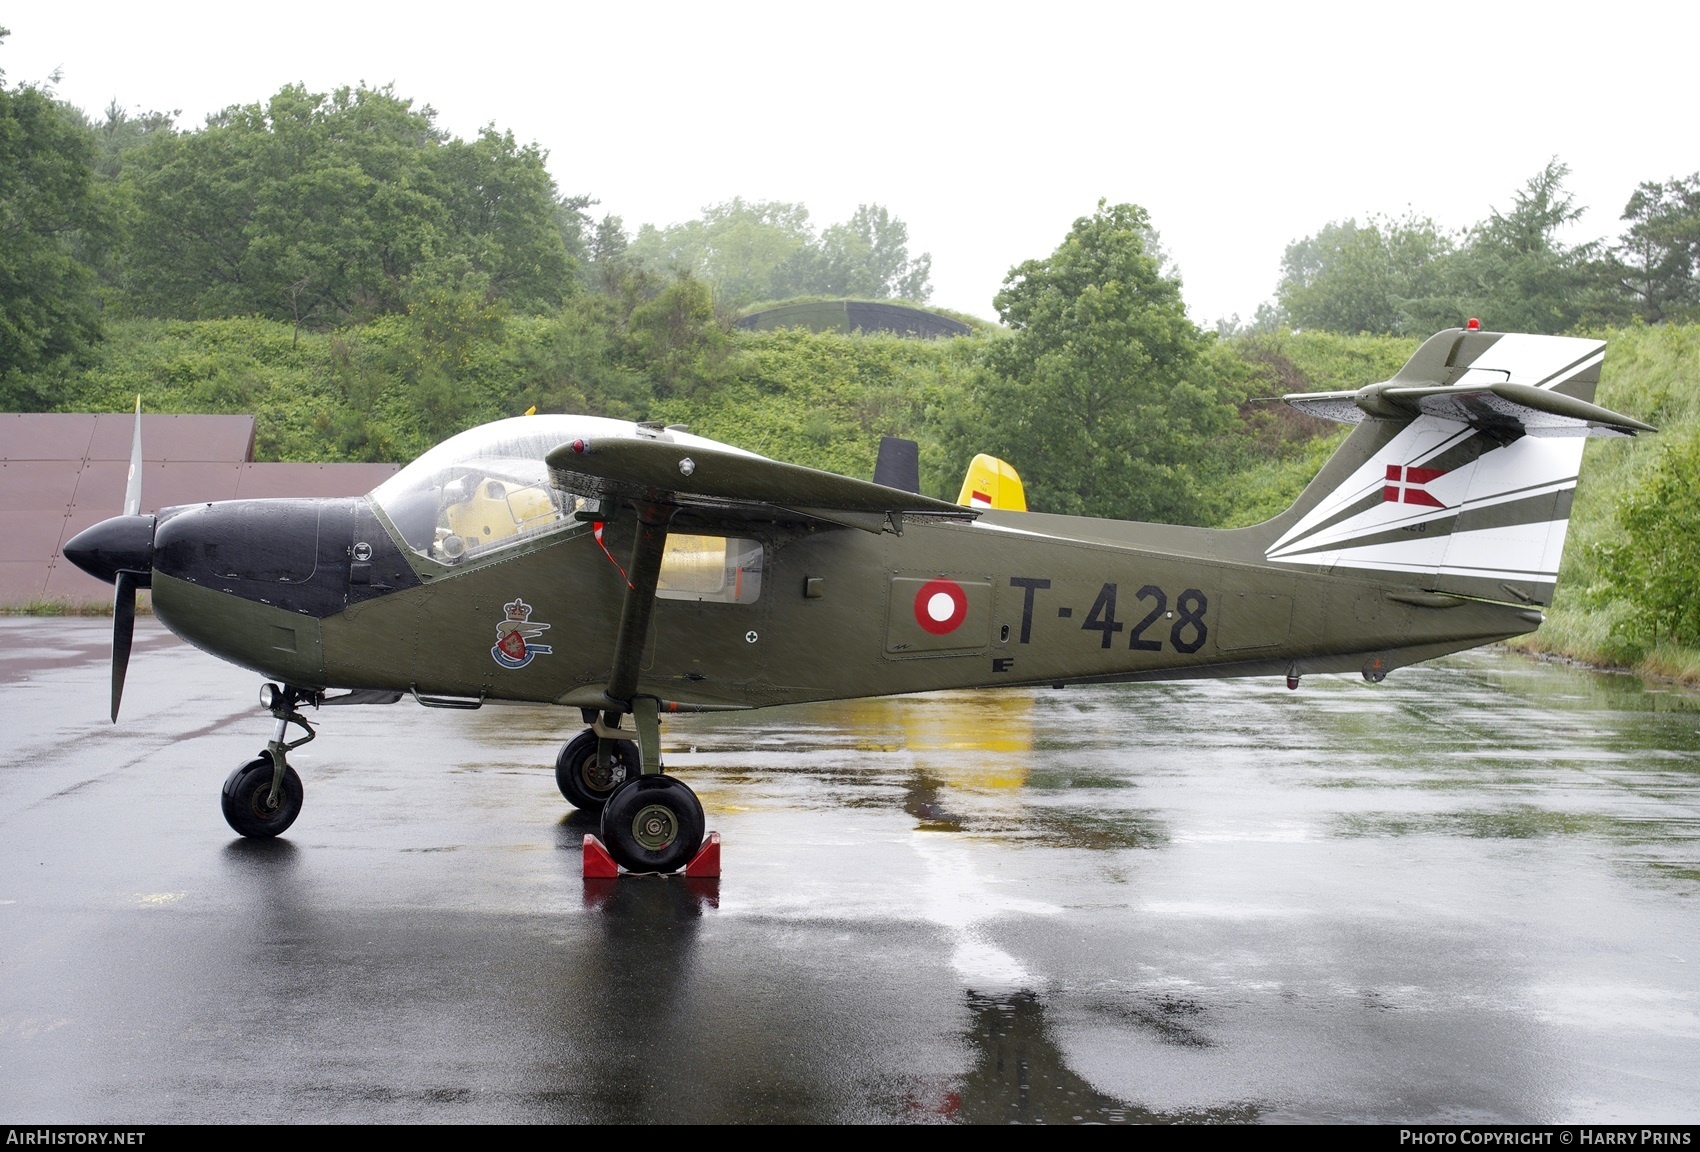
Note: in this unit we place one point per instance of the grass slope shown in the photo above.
(1652, 374)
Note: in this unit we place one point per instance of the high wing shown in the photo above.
(661, 471)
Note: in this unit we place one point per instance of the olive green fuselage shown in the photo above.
(1013, 599)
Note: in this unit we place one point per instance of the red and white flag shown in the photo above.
(1409, 485)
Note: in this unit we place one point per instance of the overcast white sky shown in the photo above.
(987, 128)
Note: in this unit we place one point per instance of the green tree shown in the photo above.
(1656, 564)
(1353, 277)
(867, 256)
(749, 250)
(608, 245)
(675, 337)
(318, 208)
(121, 133)
(1098, 396)
(452, 313)
(736, 247)
(1657, 260)
(1514, 272)
(576, 361)
(504, 216)
(577, 228)
(50, 210)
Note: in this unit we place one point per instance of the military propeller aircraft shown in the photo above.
(636, 571)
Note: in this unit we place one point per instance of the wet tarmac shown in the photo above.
(1469, 894)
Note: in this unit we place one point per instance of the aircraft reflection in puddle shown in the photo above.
(1020, 1076)
(986, 764)
(1018, 1073)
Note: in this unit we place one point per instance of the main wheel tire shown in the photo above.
(247, 792)
(586, 783)
(653, 824)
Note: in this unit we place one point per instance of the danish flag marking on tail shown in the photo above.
(1408, 485)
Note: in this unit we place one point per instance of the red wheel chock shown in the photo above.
(706, 863)
(599, 865)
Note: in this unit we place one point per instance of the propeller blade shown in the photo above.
(133, 485)
(123, 631)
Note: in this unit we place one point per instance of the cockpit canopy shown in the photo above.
(489, 486)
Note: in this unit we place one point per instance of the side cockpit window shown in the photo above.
(723, 569)
(480, 512)
(464, 511)
(482, 490)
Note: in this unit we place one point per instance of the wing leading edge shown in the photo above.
(657, 471)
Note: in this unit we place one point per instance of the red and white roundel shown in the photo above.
(941, 606)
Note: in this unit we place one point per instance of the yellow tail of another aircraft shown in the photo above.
(990, 483)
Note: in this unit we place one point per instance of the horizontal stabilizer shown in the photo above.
(1502, 407)
(666, 472)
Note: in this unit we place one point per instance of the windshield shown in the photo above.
(489, 486)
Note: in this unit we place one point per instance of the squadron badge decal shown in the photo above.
(514, 636)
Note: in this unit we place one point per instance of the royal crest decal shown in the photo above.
(515, 636)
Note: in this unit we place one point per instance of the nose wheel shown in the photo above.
(249, 805)
(263, 796)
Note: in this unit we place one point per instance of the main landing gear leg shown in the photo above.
(651, 822)
(263, 796)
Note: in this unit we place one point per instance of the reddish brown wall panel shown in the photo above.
(225, 438)
(38, 485)
(30, 536)
(22, 583)
(46, 435)
(259, 481)
(67, 583)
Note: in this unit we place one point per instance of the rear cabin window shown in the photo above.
(723, 569)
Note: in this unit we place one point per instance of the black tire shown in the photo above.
(653, 824)
(246, 792)
(584, 782)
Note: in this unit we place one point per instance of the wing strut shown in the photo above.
(620, 697)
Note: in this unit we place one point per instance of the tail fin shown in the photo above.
(1460, 474)
(991, 483)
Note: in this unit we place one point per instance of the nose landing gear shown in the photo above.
(255, 807)
(263, 796)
